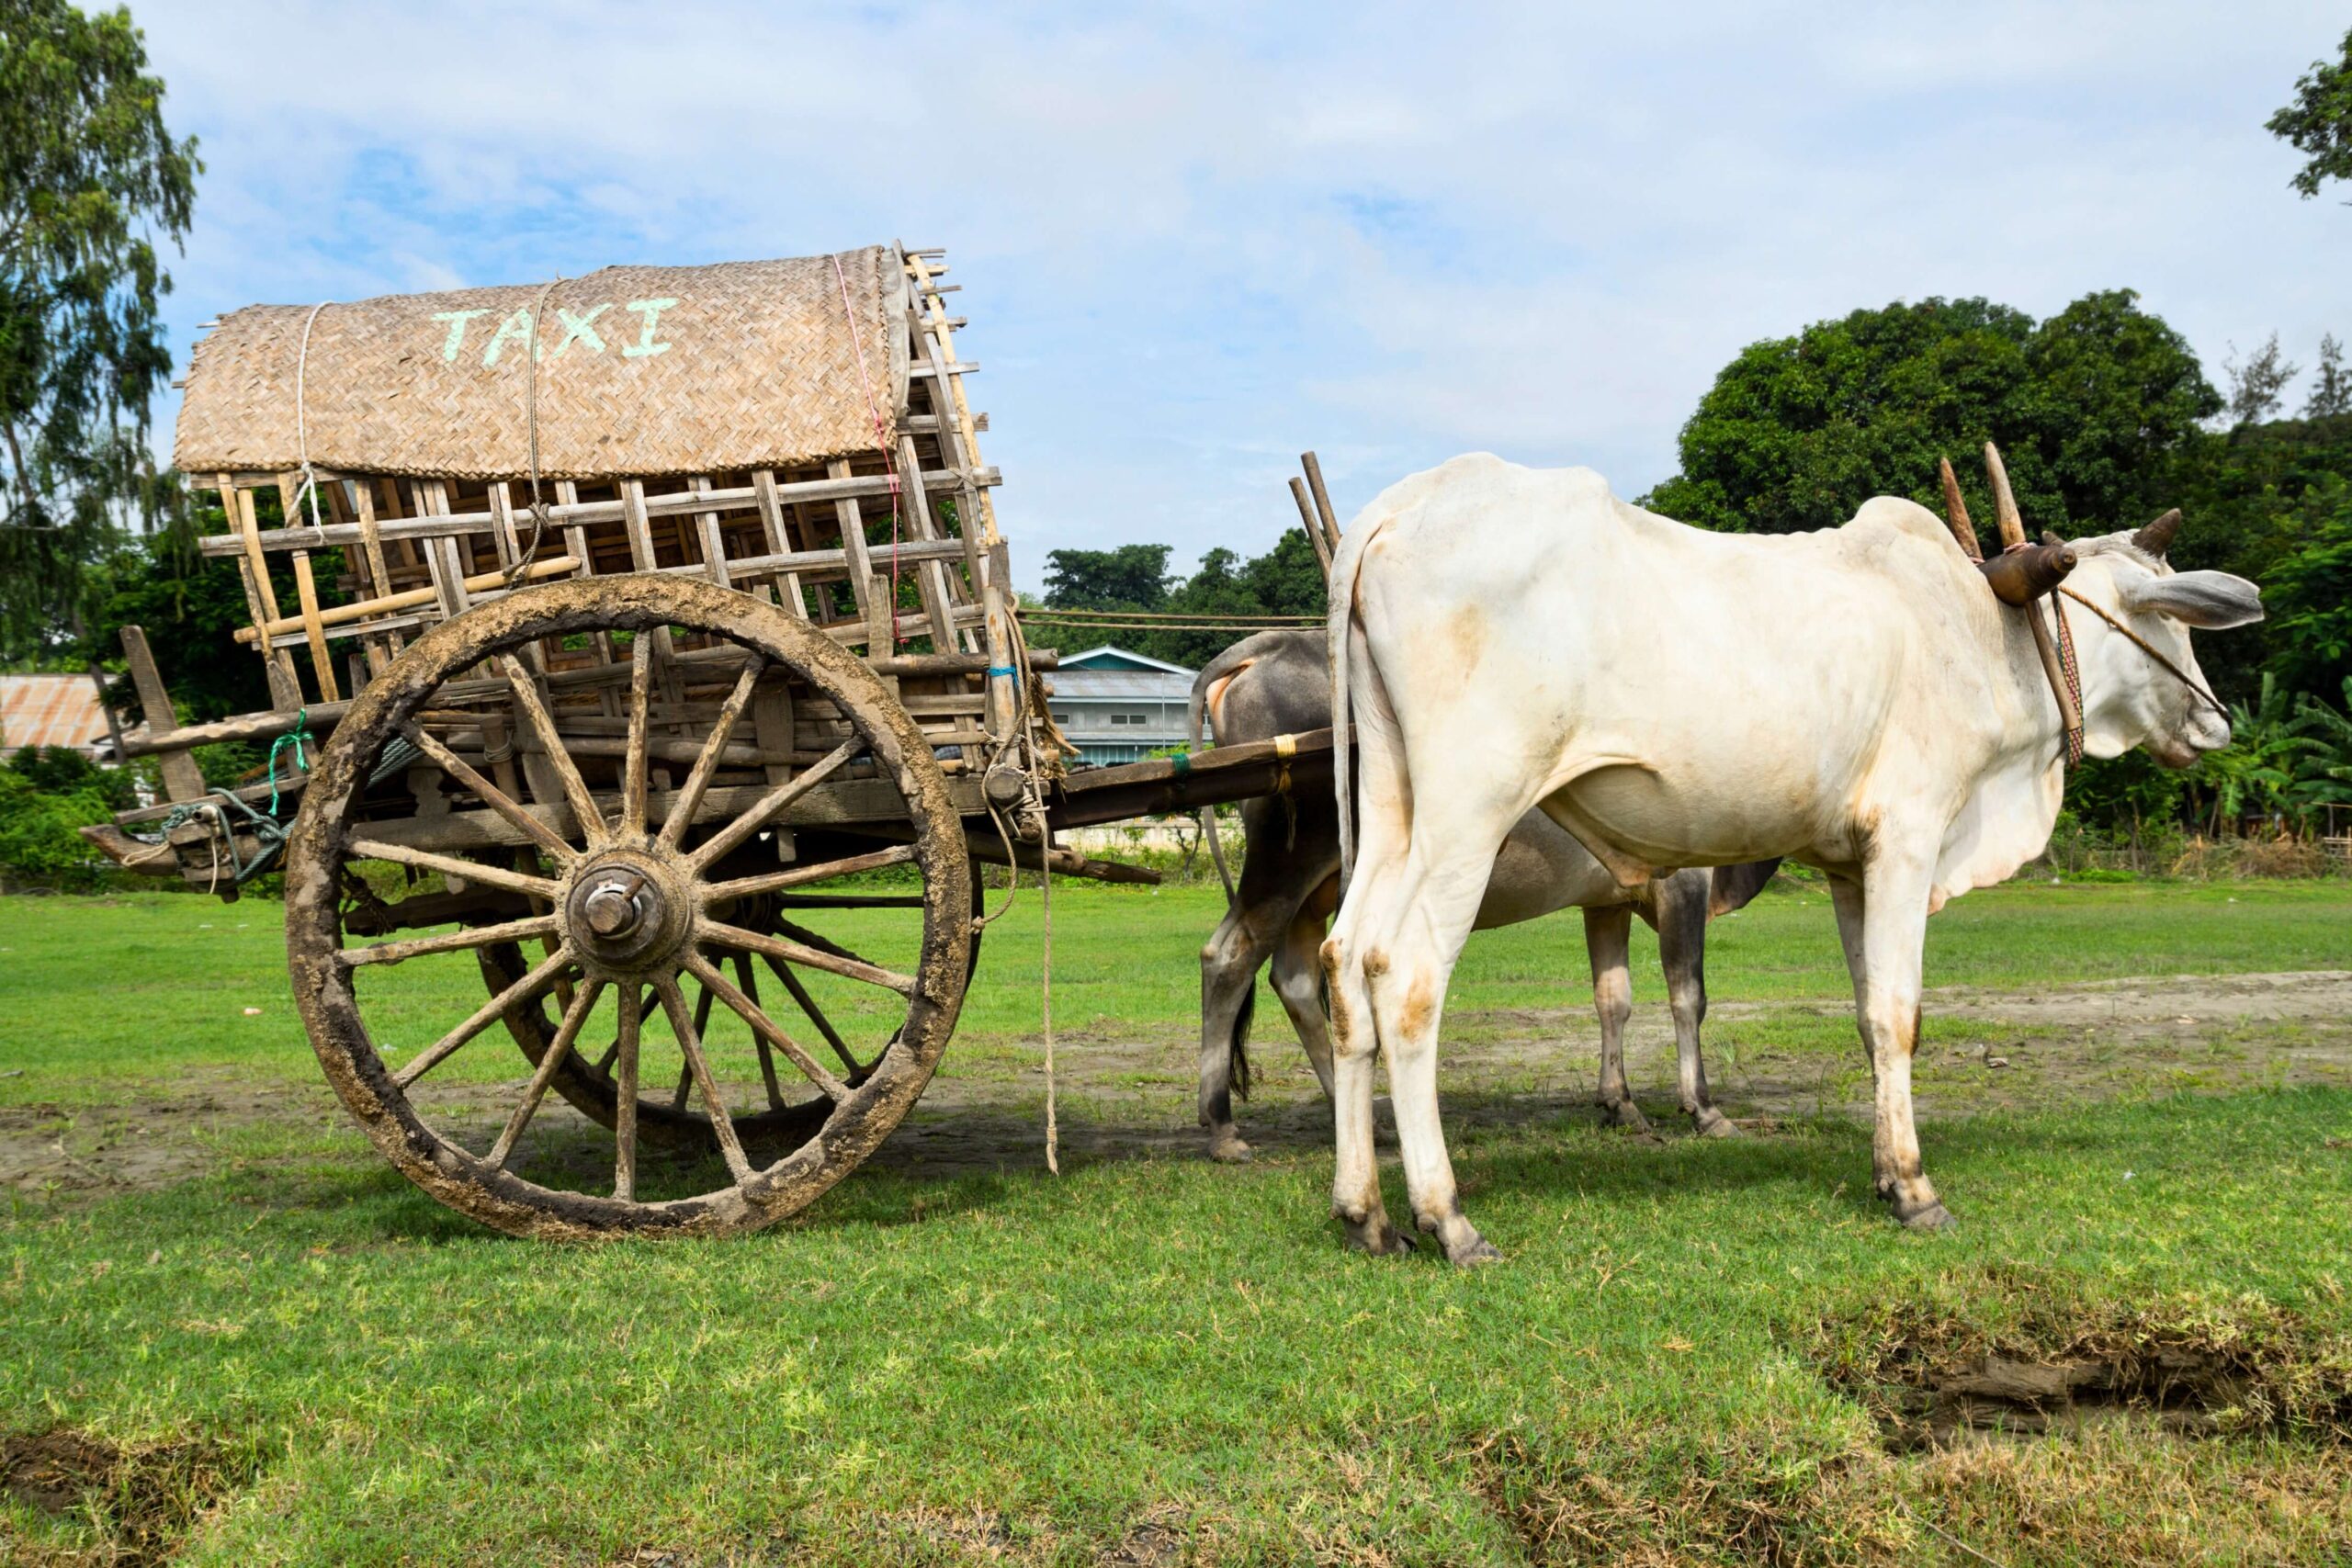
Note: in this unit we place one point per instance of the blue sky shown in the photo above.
(1196, 240)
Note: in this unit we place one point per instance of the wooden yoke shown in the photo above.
(2021, 573)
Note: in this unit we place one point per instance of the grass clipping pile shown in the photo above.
(91, 1502)
(2184, 1431)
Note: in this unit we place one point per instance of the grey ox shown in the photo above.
(1280, 683)
(1856, 699)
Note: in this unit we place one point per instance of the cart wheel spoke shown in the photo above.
(522, 991)
(763, 1027)
(801, 875)
(688, 800)
(454, 942)
(748, 982)
(711, 931)
(673, 1002)
(768, 804)
(592, 825)
(816, 1015)
(624, 1048)
(452, 865)
(574, 1017)
(497, 799)
(641, 720)
(686, 1067)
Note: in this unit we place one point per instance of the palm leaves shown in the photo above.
(2284, 762)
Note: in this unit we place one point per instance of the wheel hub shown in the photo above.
(628, 913)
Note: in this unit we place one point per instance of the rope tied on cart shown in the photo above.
(292, 738)
(301, 414)
(881, 440)
(522, 564)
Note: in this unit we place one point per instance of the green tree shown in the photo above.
(2086, 407)
(2331, 387)
(2308, 593)
(1127, 577)
(2324, 774)
(191, 611)
(91, 179)
(2318, 123)
(2254, 775)
(1285, 580)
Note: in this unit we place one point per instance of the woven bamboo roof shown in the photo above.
(642, 371)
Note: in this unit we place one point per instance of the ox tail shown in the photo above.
(1220, 670)
(1344, 634)
(1240, 1069)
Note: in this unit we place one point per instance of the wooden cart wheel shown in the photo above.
(665, 1119)
(639, 893)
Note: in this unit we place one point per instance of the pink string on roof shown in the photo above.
(881, 441)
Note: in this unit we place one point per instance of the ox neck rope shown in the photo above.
(2073, 672)
(2194, 686)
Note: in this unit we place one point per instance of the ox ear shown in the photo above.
(2213, 600)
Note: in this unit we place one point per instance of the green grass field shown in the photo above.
(1697, 1350)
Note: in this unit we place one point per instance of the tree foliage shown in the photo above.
(2331, 387)
(1285, 580)
(91, 179)
(2086, 406)
(2318, 122)
(191, 618)
(2258, 381)
(1127, 577)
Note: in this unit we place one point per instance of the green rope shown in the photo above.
(294, 737)
(267, 828)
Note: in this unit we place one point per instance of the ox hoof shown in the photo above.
(1710, 1122)
(1930, 1216)
(1476, 1254)
(1377, 1237)
(1464, 1248)
(1231, 1150)
(1624, 1113)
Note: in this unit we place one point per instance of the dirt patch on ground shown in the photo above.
(1986, 1050)
(124, 1506)
(1932, 1378)
(145, 1144)
(1124, 1097)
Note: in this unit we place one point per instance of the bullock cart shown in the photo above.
(643, 645)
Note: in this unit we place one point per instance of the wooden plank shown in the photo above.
(847, 512)
(285, 687)
(395, 603)
(930, 578)
(847, 803)
(380, 651)
(835, 488)
(183, 780)
(1163, 784)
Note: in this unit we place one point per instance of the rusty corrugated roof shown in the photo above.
(49, 710)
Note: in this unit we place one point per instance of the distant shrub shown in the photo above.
(38, 846)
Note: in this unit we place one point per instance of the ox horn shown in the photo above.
(2156, 538)
(1956, 513)
(2022, 572)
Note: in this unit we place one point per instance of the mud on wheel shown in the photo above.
(618, 896)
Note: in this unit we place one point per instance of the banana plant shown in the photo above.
(2323, 738)
(2254, 775)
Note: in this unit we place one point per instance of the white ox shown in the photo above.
(1856, 699)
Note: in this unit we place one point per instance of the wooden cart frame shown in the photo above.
(642, 734)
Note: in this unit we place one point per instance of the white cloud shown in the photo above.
(1196, 240)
